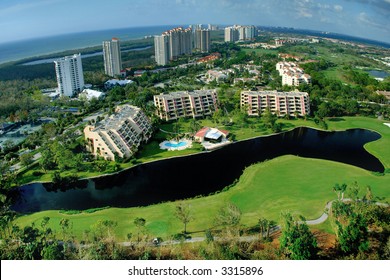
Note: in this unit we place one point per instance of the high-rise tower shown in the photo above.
(112, 57)
(172, 44)
(70, 77)
(202, 40)
(161, 49)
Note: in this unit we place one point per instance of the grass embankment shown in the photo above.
(301, 186)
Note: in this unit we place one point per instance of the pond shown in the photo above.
(378, 74)
(199, 174)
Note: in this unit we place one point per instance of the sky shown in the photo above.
(25, 19)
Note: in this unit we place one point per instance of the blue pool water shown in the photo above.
(175, 145)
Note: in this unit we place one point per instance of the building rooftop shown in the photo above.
(385, 93)
(90, 93)
(118, 82)
(179, 94)
(211, 133)
(278, 93)
(68, 57)
(115, 121)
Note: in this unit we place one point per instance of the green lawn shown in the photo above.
(260, 51)
(335, 73)
(288, 183)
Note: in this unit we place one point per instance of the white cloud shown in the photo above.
(363, 18)
(17, 8)
(304, 8)
(339, 8)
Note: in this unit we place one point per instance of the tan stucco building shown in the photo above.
(180, 104)
(279, 103)
(120, 134)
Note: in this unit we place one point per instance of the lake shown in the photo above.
(199, 174)
(378, 74)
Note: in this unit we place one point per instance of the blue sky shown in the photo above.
(22, 19)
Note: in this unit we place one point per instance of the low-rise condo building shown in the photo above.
(291, 74)
(279, 103)
(120, 134)
(193, 104)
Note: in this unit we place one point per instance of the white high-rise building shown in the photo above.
(112, 57)
(250, 32)
(70, 77)
(161, 49)
(172, 44)
(212, 27)
(202, 40)
(231, 34)
(238, 32)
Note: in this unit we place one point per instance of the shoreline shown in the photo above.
(86, 50)
(87, 54)
(78, 41)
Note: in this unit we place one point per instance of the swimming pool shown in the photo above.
(176, 145)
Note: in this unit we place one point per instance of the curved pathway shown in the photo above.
(251, 238)
(323, 217)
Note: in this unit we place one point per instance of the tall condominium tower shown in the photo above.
(112, 57)
(202, 40)
(69, 72)
(172, 44)
(161, 49)
(237, 32)
(231, 34)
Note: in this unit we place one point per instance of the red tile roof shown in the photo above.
(202, 132)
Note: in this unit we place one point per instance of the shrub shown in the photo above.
(37, 173)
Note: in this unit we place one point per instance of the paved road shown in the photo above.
(17, 166)
(323, 217)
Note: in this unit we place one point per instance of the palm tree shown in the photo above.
(140, 224)
(339, 190)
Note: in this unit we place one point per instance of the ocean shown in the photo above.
(18, 50)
